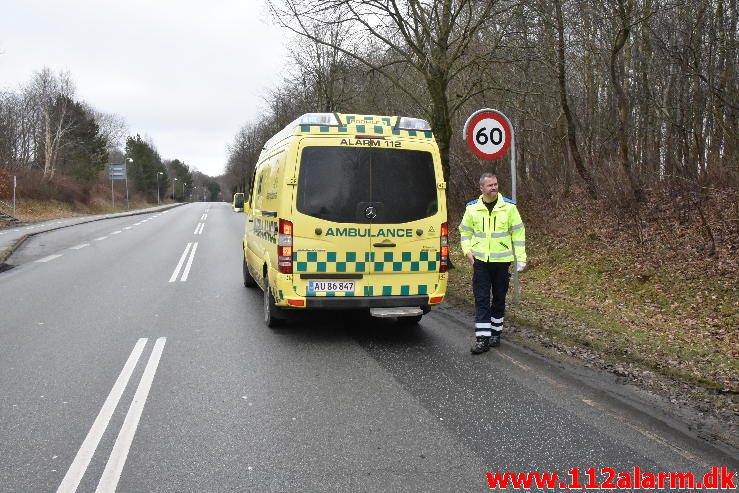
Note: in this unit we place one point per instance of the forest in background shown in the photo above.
(615, 98)
(58, 148)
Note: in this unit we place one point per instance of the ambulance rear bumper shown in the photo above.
(353, 302)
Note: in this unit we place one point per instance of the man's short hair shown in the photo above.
(487, 175)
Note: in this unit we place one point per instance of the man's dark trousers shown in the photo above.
(489, 277)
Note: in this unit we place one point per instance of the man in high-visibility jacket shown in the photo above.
(492, 236)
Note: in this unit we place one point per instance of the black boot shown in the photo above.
(482, 345)
(495, 339)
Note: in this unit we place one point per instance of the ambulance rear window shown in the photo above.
(351, 185)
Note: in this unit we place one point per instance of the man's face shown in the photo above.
(489, 186)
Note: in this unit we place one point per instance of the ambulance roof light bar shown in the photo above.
(324, 119)
(407, 123)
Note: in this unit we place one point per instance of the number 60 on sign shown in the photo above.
(488, 134)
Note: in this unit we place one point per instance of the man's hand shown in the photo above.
(520, 266)
(471, 257)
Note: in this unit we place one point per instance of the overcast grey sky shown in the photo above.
(187, 74)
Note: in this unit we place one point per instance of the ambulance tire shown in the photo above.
(271, 313)
(249, 281)
(409, 321)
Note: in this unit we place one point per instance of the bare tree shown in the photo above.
(51, 96)
(243, 154)
(624, 10)
(432, 38)
(583, 171)
(324, 72)
(113, 128)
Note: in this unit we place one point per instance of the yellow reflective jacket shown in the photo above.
(493, 236)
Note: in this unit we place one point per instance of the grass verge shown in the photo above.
(645, 315)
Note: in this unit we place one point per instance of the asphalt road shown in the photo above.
(132, 358)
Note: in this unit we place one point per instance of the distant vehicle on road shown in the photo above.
(238, 202)
(348, 212)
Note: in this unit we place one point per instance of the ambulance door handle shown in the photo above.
(382, 245)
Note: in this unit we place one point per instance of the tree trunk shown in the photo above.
(569, 116)
(622, 104)
(440, 118)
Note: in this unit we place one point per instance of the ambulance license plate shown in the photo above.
(331, 286)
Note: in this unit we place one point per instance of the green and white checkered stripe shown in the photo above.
(383, 290)
(381, 125)
(365, 262)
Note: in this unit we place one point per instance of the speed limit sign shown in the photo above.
(488, 134)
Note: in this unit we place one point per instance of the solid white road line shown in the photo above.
(189, 263)
(87, 450)
(78, 247)
(50, 257)
(179, 264)
(117, 460)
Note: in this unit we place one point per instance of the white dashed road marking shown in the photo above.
(50, 257)
(117, 459)
(176, 272)
(189, 262)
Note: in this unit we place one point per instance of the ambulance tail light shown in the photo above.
(444, 264)
(285, 247)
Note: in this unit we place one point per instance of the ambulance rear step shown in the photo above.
(400, 311)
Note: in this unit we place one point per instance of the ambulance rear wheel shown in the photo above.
(249, 281)
(271, 312)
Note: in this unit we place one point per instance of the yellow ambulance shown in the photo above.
(348, 212)
(238, 202)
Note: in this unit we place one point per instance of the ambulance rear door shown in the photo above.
(407, 209)
(331, 242)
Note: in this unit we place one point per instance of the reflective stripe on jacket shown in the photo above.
(493, 236)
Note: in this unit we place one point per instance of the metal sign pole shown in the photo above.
(15, 184)
(112, 194)
(516, 287)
